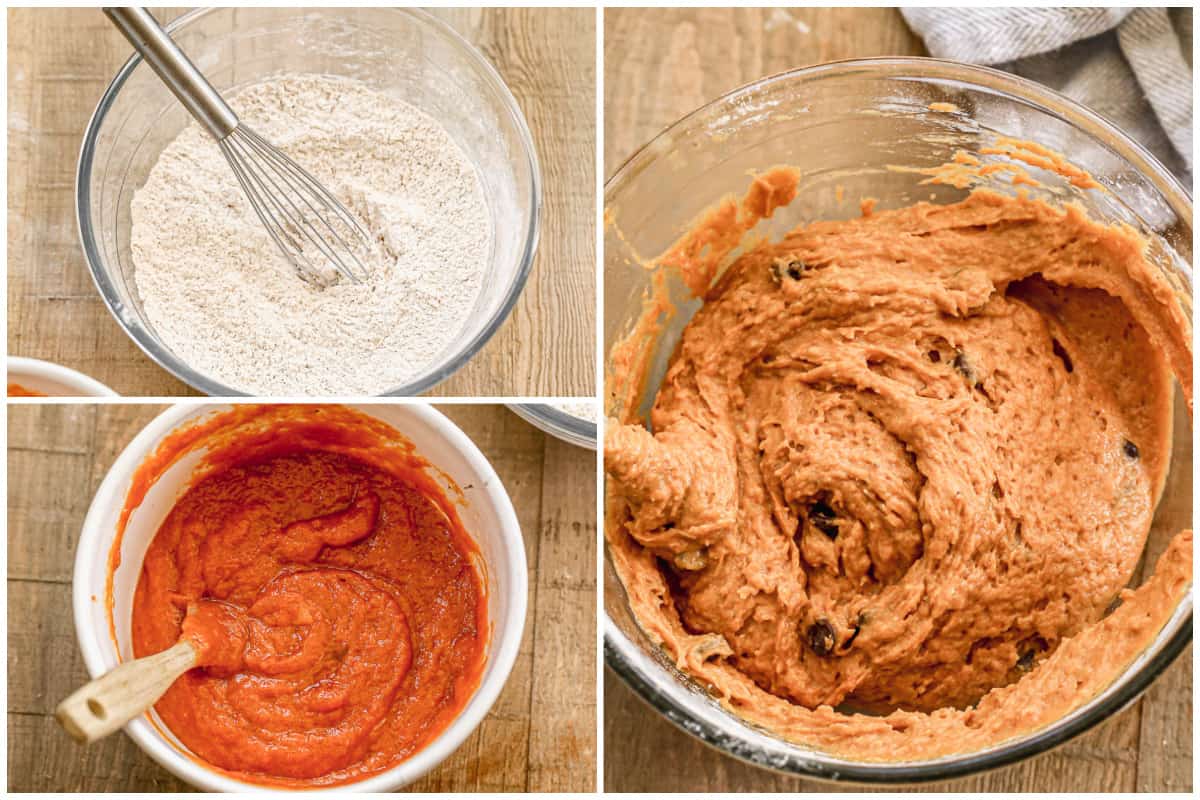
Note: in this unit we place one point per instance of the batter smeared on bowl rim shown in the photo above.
(331, 587)
(902, 466)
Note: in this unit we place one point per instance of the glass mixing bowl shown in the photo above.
(406, 53)
(843, 125)
(558, 423)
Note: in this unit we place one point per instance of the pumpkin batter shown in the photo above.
(330, 589)
(904, 464)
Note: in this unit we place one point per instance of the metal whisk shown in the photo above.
(311, 228)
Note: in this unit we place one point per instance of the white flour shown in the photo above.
(224, 299)
(583, 409)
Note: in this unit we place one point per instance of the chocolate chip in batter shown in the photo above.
(823, 518)
(1062, 354)
(1029, 650)
(794, 268)
(1131, 450)
(965, 368)
(821, 637)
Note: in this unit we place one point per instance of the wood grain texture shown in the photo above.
(540, 735)
(659, 65)
(60, 62)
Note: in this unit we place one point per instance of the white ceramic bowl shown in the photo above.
(487, 514)
(54, 380)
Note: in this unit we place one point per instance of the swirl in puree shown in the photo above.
(901, 468)
(329, 589)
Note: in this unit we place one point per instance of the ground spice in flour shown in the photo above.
(222, 297)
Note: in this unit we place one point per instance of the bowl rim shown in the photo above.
(161, 355)
(86, 385)
(636, 668)
(558, 423)
(787, 758)
(1042, 97)
(96, 645)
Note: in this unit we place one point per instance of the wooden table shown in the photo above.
(659, 65)
(539, 736)
(60, 62)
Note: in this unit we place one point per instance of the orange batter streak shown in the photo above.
(329, 589)
(17, 390)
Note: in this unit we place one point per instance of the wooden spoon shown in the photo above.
(214, 635)
(107, 703)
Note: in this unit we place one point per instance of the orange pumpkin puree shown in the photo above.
(335, 597)
(17, 390)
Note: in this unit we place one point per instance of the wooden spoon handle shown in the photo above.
(107, 703)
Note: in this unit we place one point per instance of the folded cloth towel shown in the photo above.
(1131, 65)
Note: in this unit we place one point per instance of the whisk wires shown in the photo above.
(310, 226)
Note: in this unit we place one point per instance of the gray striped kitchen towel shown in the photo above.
(1132, 65)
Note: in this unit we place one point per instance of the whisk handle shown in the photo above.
(176, 70)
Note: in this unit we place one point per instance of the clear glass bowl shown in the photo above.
(558, 423)
(406, 53)
(843, 124)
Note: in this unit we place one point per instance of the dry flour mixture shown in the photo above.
(226, 301)
(582, 409)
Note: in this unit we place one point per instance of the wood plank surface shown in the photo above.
(659, 65)
(60, 62)
(541, 733)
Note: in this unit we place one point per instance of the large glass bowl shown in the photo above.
(403, 52)
(558, 423)
(844, 125)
